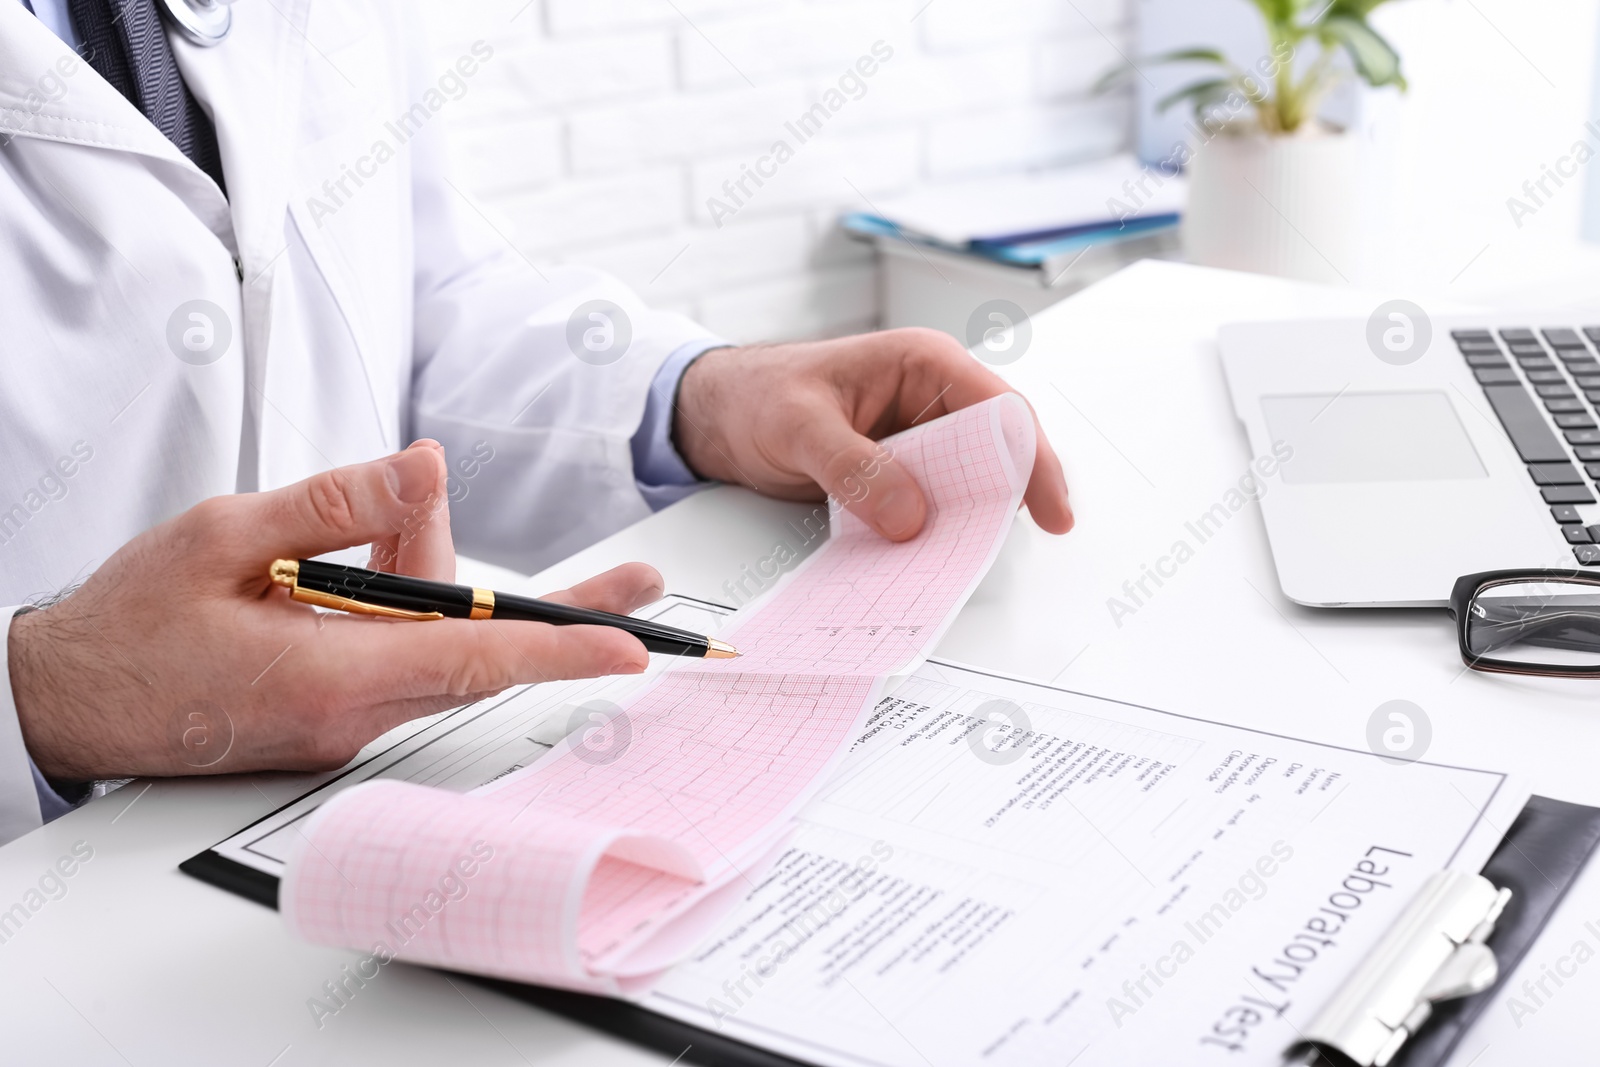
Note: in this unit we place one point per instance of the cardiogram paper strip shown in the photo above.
(598, 876)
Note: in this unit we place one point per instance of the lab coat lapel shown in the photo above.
(250, 85)
(256, 95)
(47, 91)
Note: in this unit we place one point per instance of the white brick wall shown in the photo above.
(600, 129)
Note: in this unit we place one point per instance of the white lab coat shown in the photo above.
(358, 322)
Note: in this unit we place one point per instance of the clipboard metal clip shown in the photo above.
(1434, 951)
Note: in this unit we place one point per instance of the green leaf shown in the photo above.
(1119, 74)
(1192, 55)
(1358, 9)
(1112, 78)
(1201, 94)
(1375, 59)
(1278, 13)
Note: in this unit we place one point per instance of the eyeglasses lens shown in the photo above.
(1540, 624)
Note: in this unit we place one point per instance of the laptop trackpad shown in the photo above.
(1371, 437)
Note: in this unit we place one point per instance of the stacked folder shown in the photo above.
(1033, 220)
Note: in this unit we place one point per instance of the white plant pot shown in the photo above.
(1286, 205)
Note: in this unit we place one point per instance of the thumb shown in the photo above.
(349, 506)
(863, 476)
(421, 545)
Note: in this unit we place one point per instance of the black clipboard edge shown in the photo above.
(1538, 859)
(640, 1026)
(620, 1018)
(233, 876)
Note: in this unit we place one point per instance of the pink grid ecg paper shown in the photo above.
(600, 876)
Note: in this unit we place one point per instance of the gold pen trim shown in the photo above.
(356, 607)
(719, 649)
(482, 603)
(286, 572)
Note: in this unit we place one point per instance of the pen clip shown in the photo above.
(339, 603)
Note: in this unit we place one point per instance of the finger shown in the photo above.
(383, 661)
(423, 546)
(860, 474)
(342, 508)
(1047, 497)
(621, 590)
(954, 379)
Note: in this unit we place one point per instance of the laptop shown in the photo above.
(1419, 451)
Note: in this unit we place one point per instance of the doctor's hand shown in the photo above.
(799, 420)
(179, 657)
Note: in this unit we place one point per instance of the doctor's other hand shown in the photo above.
(799, 421)
(177, 656)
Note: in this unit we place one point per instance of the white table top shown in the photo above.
(139, 964)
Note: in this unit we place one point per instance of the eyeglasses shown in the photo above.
(1544, 622)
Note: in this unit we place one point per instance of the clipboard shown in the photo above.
(1530, 871)
(1535, 864)
(485, 740)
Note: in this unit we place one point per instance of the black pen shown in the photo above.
(399, 596)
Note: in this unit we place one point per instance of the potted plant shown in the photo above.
(1272, 187)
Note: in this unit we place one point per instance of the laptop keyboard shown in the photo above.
(1563, 378)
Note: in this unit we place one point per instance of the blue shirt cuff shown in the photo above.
(52, 805)
(659, 471)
